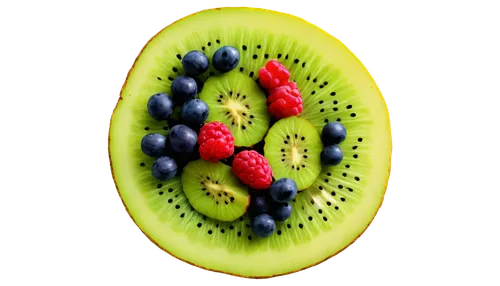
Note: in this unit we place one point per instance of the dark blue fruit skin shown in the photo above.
(333, 133)
(153, 144)
(171, 122)
(182, 138)
(283, 190)
(281, 211)
(263, 225)
(332, 155)
(183, 88)
(164, 168)
(226, 58)
(199, 84)
(195, 63)
(194, 112)
(258, 205)
(160, 106)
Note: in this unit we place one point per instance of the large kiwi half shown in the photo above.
(328, 216)
(239, 102)
(214, 191)
(293, 149)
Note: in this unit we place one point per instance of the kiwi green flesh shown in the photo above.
(292, 148)
(328, 216)
(238, 102)
(214, 191)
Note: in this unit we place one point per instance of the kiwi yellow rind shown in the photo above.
(385, 128)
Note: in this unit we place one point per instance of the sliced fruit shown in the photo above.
(213, 191)
(293, 149)
(237, 101)
(328, 216)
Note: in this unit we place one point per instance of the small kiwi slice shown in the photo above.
(214, 191)
(237, 101)
(293, 149)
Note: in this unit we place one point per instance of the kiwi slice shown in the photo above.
(214, 191)
(328, 216)
(237, 101)
(293, 149)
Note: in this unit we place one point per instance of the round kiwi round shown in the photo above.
(326, 217)
(293, 149)
(212, 190)
(237, 101)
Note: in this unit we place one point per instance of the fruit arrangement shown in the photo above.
(250, 144)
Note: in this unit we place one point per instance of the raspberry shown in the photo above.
(273, 75)
(216, 142)
(285, 101)
(253, 169)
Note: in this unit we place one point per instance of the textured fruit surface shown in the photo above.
(333, 133)
(184, 88)
(237, 101)
(332, 155)
(160, 106)
(195, 63)
(285, 101)
(164, 168)
(153, 144)
(194, 112)
(281, 211)
(328, 216)
(226, 58)
(182, 139)
(273, 75)
(258, 205)
(213, 191)
(216, 141)
(283, 190)
(253, 169)
(263, 225)
(293, 148)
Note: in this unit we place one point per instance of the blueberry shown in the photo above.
(333, 133)
(164, 168)
(153, 144)
(226, 58)
(182, 138)
(281, 211)
(183, 89)
(194, 112)
(171, 122)
(283, 190)
(258, 205)
(332, 155)
(199, 84)
(263, 225)
(195, 63)
(160, 106)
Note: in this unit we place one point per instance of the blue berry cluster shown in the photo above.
(333, 133)
(175, 150)
(268, 207)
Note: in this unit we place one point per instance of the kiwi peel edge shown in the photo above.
(119, 98)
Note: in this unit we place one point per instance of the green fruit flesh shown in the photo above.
(213, 191)
(237, 101)
(293, 149)
(327, 216)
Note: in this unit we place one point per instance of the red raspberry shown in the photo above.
(253, 169)
(216, 142)
(285, 101)
(273, 75)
